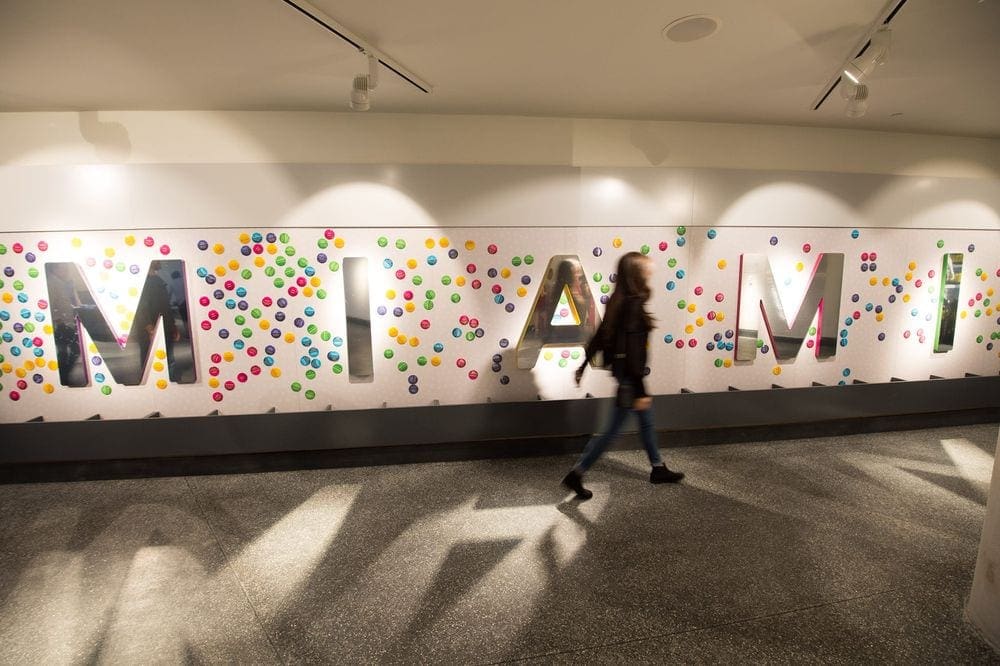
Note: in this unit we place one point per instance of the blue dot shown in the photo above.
(99, 377)
(268, 361)
(711, 234)
(671, 285)
(843, 342)
(438, 347)
(333, 356)
(431, 260)
(316, 363)
(456, 332)
(847, 372)
(241, 291)
(338, 341)
(680, 274)
(680, 241)
(774, 240)
(309, 311)
(387, 263)
(855, 233)
(256, 237)
(239, 344)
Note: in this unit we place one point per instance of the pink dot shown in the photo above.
(148, 241)
(471, 268)
(21, 384)
(864, 256)
(463, 320)
(251, 351)
(400, 274)
(711, 315)
(906, 334)
(719, 297)
(213, 314)
(565, 353)
(266, 301)
(473, 374)
(18, 248)
(930, 273)
(563, 312)
(692, 343)
(108, 264)
(492, 249)
(255, 370)
(806, 248)
(230, 385)
(497, 289)
(229, 285)
(460, 362)
(43, 246)
(216, 358)
(476, 284)
(921, 339)
(425, 324)
(301, 281)
(918, 283)
(408, 295)
(204, 301)
(15, 396)
(328, 234)
(663, 246)
(972, 302)
(293, 291)
(698, 290)
(214, 371)
(258, 248)
(217, 396)
(242, 377)
(91, 262)
(474, 323)
(857, 315)
(43, 304)
(872, 256)
(920, 332)
(979, 297)
(810, 343)
(679, 344)
(37, 342)
(164, 249)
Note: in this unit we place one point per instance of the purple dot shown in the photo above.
(202, 245)
(282, 302)
(96, 360)
(504, 342)
(497, 358)
(453, 253)
(245, 250)
(279, 316)
(881, 336)
(299, 322)
(398, 312)
(271, 237)
(321, 258)
(381, 310)
(275, 332)
(509, 307)
(774, 240)
(413, 389)
(604, 299)
(223, 333)
(30, 257)
(412, 379)
(525, 279)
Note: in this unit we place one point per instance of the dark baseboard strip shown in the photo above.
(457, 451)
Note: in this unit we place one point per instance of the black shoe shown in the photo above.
(661, 474)
(574, 481)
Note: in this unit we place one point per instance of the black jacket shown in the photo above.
(631, 334)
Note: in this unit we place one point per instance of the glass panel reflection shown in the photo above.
(546, 326)
(360, 368)
(951, 279)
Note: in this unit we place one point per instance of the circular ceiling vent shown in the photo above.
(691, 28)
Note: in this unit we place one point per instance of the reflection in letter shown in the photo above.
(759, 296)
(163, 298)
(564, 280)
(951, 279)
(359, 321)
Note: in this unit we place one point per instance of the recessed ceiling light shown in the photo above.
(691, 28)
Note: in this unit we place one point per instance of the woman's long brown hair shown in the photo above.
(630, 283)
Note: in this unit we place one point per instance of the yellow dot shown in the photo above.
(963, 314)
(879, 316)
(272, 248)
(227, 356)
(213, 382)
(76, 242)
(92, 347)
(886, 281)
(700, 321)
(158, 366)
(315, 281)
(7, 298)
(411, 263)
(983, 277)
(289, 337)
(401, 339)
(6, 367)
(120, 309)
(409, 307)
(721, 264)
(719, 316)
(776, 370)
(505, 273)
(906, 298)
(161, 384)
(338, 243)
(429, 243)
(307, 291)
(48, 329)
(160, 354)
(989, 311)
(908, 276)
(20, 372)
(258, 261)
(130, 240)
(414, 341)
(390, 294)
(275, 372)
(692, 307)
(218, 248)
(109, 252)
(264, 324)
(617, 242)
(989, 292)
(220, 270)
(873, 281)
(48, 388)
(912, 265)
(39, 362)
(393, 332)
(689, 329)
(244, 238)
(133, 292)
(234, 265)
(53, 365)
(728, 362)
(799, 266)
(547, 356)
(470, 245)
(460, 280)
(436, 360)
(521, 291)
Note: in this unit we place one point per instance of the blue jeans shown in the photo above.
(598, 443)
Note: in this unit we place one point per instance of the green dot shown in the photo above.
(528, 259)
(681, 231)
(940, 243)
(321, 294)
(29, 327)
(1, 284)
(759, 343)
(322, 243)
(417, 280)
(445, 280)
(284, 238)
(516, 261)
(400, 244)
(120, 267)
(325, 336)
(269, 271)
(106, 390)
(382, 241)
(402, 367)
(470, 336)
(644, 249)
(18, 285)
(279, 283)
(290, 251)
(247, 333)
(562, 363)
(302, 262)
(671, 262)
(978, 313)
(255, 313)
(598, 277)
(310, 394)
(388, 353)
(33, 272)
(3, 249)
(718, 362)
(979, 272)
(421, 360)
(429, 294)
(334, 266)
(575, 354)
(979, 338)
(337, 368)
(240, 320)
(289, 272)
(455, 298)
(296, 387)
(246, 273)
(986, 302)
(812, 330)
(605, 288)
(681, 304)
(310, 374)
(428, 305)
(280, 261)
(312, 329)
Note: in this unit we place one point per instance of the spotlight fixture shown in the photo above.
(856, 95)
(364, 85)
(858, 70)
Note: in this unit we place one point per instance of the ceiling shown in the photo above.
(768, 62)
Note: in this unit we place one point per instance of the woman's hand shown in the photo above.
(642, 404)
(579, 373)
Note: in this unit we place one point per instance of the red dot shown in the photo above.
(214, 371)
(408, 295)
(292, 291)
(918, 284)
(663, 246)
(148, 241)
(474, 323)
(251, 351)
(164, 249)
(476, 284)
(473, 374)
(301, 281)
(400, 274)
(425, 324)
(497, 289)
(43, 304)
(266, 301)
(692, 343)
(857, 315)
(679, 344)
(471, 268)
(806, 248)
(328, 234)
(230, 385)
(229, 285)
(204, 300)
(872, 256)
(810, 343)
(492, 249)
(18, 248)
(15, 396)
(21, 384)
(906, 334)
(460, 362)
(216, 358)
(719, 297)
(242, 377)
(37, 342)
(864, 256)
(213, 314)
(711, 315)
(206, 325)
(217, 396)
(698, 291)
(463, 320)
(979, 297)
(255, 370)
(258, 248)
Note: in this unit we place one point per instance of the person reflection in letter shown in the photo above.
(624, 335)
(154, 307)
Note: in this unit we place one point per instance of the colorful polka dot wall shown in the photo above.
(268, 311)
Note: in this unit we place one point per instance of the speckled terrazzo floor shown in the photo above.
(839, 550)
